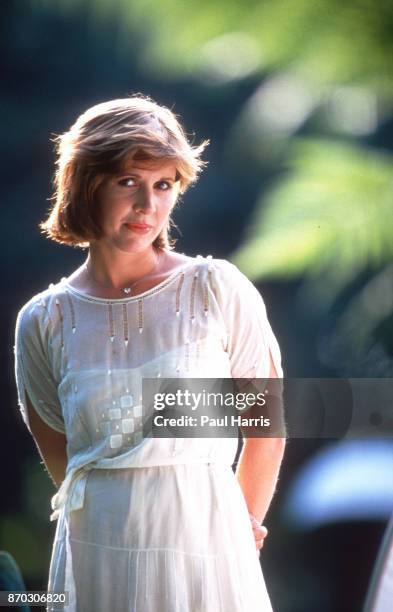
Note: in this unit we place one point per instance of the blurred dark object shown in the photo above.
(11, 578)
(346, 481)
(339, 503)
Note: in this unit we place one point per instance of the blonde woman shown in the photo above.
(144, 524)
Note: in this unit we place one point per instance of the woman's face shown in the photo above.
(144, 193)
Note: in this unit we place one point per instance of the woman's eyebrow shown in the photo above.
(132, 173)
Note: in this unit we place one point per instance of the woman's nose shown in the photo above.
(145, 200)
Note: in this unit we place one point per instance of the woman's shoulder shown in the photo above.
(229, 283)
(42, 301)
(223, 277)
(180, 262)
(221, 272)
(224, 271)
(212, 263)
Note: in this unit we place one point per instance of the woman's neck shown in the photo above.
(116, 269)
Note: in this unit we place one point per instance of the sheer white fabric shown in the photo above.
(146, 524)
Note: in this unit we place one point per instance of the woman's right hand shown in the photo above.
(260, 532)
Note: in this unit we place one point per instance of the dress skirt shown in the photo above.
(169, 538)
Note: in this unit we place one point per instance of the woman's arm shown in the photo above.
(258, 468)
(257, 472)
(51, 445)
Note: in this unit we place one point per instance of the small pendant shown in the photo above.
(127, 290)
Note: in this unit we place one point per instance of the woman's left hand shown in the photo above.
(260, 532)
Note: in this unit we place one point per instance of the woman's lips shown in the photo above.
(141, 228)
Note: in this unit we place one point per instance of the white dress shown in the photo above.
(146, 524)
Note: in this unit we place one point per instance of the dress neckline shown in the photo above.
(131, 298)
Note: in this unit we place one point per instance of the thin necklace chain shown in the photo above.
(126, 290)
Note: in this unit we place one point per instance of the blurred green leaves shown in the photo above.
(329, 217)
(327, 40)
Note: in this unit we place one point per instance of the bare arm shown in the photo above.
(51, 445)
(258, 468)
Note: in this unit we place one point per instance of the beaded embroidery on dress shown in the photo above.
(146, 524)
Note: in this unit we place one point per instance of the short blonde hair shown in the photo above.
(97, 146)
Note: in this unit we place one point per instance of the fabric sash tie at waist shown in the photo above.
(71, 493)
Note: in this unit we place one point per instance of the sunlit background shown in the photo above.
(297, 100)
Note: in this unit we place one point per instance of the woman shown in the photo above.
(144, 524)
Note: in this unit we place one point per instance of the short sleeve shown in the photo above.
(33, 372)
(250, 338)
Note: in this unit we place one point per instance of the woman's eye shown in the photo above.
(127, 182)
(164, 185)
